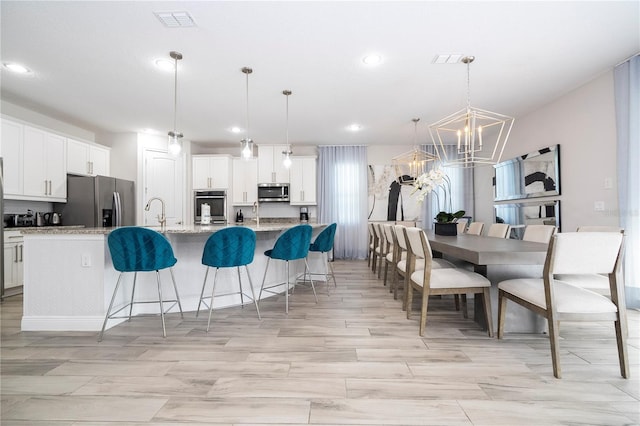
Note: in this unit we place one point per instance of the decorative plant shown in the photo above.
(430, 182)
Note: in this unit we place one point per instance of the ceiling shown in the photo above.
(93, 63)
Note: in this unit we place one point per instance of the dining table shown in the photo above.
(497, 259)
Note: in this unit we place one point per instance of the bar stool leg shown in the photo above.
(310, 279)
(175, 289)
(213, 292)
(333, 275)
(164, 329)
(133, 290)
(253, 294)
(264, 277)
(113, 298)
(286, 297)
(202, 292)
(240, 283)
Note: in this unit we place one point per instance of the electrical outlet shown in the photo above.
(85, 260)
(598, 206)
(608, 183)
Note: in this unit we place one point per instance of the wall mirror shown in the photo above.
(519, 215)
(536, 174)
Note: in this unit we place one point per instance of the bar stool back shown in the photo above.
(228, 248)
(135, 249)
(324, 244)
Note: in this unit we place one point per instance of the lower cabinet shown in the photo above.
(13, 259)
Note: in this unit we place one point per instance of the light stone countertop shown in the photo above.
(176, 229)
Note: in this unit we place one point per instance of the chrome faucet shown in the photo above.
(256, 210)
(162, 218)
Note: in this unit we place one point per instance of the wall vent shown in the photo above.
(176, 19)
(449, 58)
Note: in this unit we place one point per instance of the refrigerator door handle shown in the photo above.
(117, 210)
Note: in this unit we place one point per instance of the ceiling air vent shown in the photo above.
(450, 58)
(175, 19)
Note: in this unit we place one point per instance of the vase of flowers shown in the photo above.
(431, 182)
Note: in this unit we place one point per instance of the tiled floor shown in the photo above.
(353, 358)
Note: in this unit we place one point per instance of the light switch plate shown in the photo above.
(598, 206)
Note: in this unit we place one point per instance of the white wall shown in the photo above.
(583, 123)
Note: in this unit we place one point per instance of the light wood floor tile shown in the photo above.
(351, 358)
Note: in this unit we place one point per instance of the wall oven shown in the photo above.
(273, 192)
(217, 201)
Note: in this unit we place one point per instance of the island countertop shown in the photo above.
(175, 229)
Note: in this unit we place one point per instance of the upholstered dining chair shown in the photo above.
(402, 260)
(573, 253)
(440, 281)
(462, 225)
(378, 240)
(392, 251)
(292, 244)
(228, 248)
(538, 233)
(323, 244)
(475, 228)
(135, 249)
(498, 230)
(598, 283)
(372, 236)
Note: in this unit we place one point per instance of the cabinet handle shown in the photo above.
(15, 259)
(273, 177)
(50, 191)
(21, 246)
(91, 167)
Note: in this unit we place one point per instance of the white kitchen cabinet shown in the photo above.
(302, 189)
(13, 259)
(245, 182)
(87, 159)
(270, 166)
(44, 165)
(210, 171)
(12, 153)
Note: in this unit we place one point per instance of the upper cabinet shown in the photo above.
(302, 189)
(270, 167)
(245, 181)
(12, 152)
(34, 163)
(211, 171)
(44, 170)
(87, 159)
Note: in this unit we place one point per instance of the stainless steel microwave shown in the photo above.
(273, 192)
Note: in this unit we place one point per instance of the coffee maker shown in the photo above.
(304, 214)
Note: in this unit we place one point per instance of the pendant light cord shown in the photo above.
(288, 145)
(175, 95)
(247, 85)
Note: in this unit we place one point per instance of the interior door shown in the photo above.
(163, 178)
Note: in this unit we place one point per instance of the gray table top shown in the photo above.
(481, 250)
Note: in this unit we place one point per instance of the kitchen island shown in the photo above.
(69, 278)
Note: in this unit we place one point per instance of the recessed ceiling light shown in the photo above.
(150, 131)
(236, 129)
(164, 64)
(373, 59)
(17, 68)
(354, 127)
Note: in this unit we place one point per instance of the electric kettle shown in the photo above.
(56, 218)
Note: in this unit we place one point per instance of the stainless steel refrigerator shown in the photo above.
(99, 201)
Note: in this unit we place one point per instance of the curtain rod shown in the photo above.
(627, 59)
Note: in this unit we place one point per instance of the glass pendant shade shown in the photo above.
(247, 148)
(175, 143)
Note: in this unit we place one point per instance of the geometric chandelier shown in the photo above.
(479, 135)
(409, 165)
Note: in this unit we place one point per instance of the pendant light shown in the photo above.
(479, 135)
(411, 164)
(175, 142)
(287, 154)
(247, 143)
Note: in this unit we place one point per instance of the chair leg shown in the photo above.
(386, 271)
(253, 293)
(164, 329)
(408, 300)
(204, 283)
(380, 262)
(465, 311)
(213, 293)
(486, 300)
(456, 301)
(113, 298)
(333, 275)
(311, 280)
(407, 287)
(175, 289)
(502, 313)
(423, 311)
(621, 340)
(240, 284)
(133, 290)
(554, 338)
(264, 278)
(286, 293)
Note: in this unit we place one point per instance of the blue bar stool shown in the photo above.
(135, 249)
(228, 248)
(323, 244)
(291, 245)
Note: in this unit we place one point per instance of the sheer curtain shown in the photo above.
(342, 197)
(461, 189)
(627, 99)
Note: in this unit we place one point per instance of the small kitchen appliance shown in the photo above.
(205, 214)
(304, 214)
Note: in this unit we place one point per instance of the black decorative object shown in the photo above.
(447, 229)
